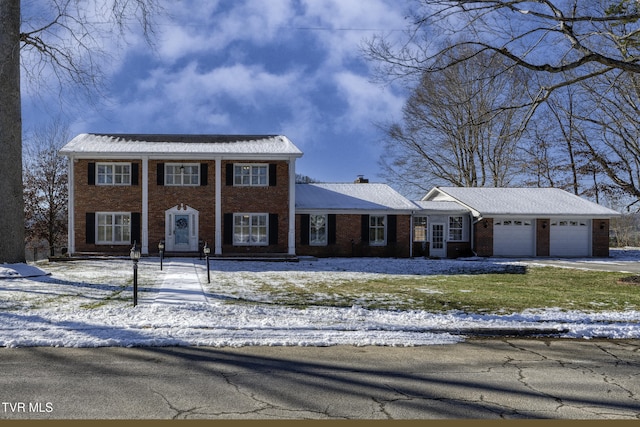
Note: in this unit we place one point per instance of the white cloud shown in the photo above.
(368, 103)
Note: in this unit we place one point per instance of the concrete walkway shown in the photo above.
(181, 284)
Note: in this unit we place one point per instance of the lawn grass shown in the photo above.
(538, 287)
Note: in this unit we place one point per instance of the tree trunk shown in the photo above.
(11, 197)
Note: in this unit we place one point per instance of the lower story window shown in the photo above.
(420, 229)
(113, 228)
(318, 230)
(455, 228)
(377, 229)
(250, 229)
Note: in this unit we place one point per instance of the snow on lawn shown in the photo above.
(88, 304)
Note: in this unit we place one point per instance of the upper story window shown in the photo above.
(182, 174)
(251, 175)
(377, 229)
(456, 228)
(113, 173)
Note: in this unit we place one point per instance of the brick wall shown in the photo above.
(600, 237)
(270, 199)
(99, 198)
(349, 240)
(483, 237)
(164, 197)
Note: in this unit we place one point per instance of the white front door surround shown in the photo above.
(181, 229)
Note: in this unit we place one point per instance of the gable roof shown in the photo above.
(350, 197)
(178, 145)
(442, 206)
(520, 201)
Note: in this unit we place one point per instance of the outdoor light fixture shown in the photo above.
(544, 224)
(135, 257)
(161, 250)
(602, 225)
(207, 250)
(486, 223)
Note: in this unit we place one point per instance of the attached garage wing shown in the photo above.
(513, 237)
(570, 238)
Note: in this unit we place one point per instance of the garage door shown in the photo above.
(570, 238)
(513, 237)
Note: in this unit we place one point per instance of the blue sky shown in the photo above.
(291, 67)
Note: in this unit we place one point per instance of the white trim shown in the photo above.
(292, 206)
(169, 233)
(218, 207)
(384, 227)
(71, 235)
(113, 174)
(144, 226)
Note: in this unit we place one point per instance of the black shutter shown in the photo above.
(272, 174)
(91, 173)
(364, 224)
(90, 227)
(229, 174)
(204, 173)
(160, 180)
(228, 229)
(392, 228)
(331, 238)
(273, 229)
(135, 228)
(135, 172)
(305, 221)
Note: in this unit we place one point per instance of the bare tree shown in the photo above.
(63, 38)
(455, 129)
(45, 186)
(564, 41)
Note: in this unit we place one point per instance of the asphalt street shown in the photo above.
(477, 379)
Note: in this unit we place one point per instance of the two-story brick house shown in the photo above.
(238, 194)
(235, 192)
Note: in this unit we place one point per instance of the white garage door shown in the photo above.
(570, 238)
(513, 237)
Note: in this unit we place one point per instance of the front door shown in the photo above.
(181, 230)
(438, 247)
(181, 233)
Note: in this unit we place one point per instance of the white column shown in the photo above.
(144, 179)
(292, 206)
(218, 208)
(71, 203)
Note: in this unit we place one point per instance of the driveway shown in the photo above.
(477, 379)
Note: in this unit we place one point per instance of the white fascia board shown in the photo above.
(438, 191)
(352, 211)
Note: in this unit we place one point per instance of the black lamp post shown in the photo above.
(207, 251)
(135, 257)
(161, 249)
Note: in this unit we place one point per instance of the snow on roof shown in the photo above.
(441, 206)
(520, 201)
(349, 196)
(89, 144)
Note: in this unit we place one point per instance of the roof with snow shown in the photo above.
(442, 206)
(201, 146)
(520, 201)
(350, 196)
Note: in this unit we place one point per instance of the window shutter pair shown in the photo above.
(392, 229)
(135, 173)
(227, 236)
(204, 174)
(136, 235)
(305, 224)
(272, 174)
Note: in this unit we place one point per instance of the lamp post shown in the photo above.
(161, 249)
(135, 257)
(207, 251)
